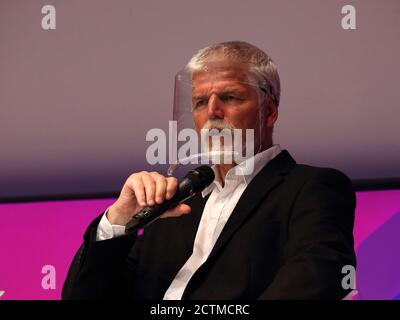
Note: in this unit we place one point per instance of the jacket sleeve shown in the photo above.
(101, 269)
(320, 240)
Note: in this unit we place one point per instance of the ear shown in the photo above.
(271, 115)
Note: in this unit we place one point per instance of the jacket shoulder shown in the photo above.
(305, 173)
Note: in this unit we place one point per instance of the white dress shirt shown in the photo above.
(216, 213)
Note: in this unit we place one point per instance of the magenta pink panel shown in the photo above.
(38, 234)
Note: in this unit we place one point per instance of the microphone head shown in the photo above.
(200, 177)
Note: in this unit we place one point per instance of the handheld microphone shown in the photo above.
(194, 182)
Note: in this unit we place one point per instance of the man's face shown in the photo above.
(223, 93)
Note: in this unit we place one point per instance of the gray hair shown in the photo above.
(261, 66)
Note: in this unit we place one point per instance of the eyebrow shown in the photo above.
(224, 92)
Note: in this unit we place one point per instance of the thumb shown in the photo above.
(179, 210)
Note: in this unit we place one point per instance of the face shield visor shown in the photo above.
(219, 116)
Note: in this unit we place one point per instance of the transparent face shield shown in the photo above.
(219, 117)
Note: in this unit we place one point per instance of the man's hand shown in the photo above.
(144, 189)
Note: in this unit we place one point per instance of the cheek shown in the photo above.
(244, 117)
(199, 120)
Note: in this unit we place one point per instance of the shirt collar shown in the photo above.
(260, 161)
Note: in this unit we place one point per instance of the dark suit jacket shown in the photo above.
(288, 237)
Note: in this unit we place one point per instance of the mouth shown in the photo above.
(214, 131)
(218, 131)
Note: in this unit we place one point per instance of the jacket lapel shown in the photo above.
(269, 177)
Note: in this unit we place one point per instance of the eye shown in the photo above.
(230, 98)
(199, 103)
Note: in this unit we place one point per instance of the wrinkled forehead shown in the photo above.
(220, 73)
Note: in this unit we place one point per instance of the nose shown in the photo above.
(215, 108)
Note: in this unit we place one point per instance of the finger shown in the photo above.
(138, 189)
(150, 188)
(172, 186)
(161, 186)
(177, 211)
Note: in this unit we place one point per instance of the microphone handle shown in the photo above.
(149, 214)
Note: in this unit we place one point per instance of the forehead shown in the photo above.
(220, 75)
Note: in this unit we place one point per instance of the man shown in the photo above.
(284, 231)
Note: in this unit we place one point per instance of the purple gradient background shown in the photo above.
(42, 233)
(76, 102)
